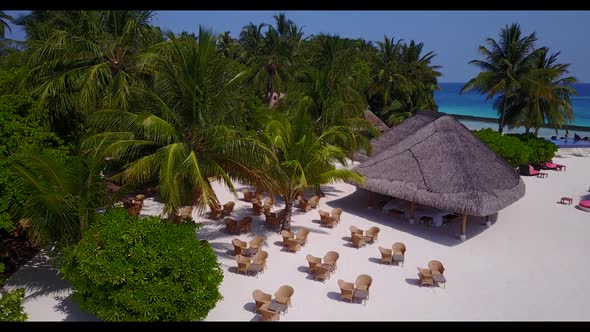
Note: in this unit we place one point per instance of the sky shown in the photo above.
(453, 35)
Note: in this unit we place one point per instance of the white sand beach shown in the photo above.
(530, 264)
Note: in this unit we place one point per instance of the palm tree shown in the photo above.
(188, 139)
(88, 60)
(332, 101)
(64, 196)
(270, 57)
(543, 95)
(506, 61)
(5, 19)
(303, 159)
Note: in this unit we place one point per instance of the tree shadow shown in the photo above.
(222, 249)
(38, 277)
(447, 234)
(72, 310)
(251, 307)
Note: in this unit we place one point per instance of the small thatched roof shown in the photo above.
(375, 121)
(436, 161)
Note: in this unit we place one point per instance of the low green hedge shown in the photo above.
(11, 306)
(518, 149)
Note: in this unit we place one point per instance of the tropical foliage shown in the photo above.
(530, 86)
(11, 306)
(186, 137)
(125, 269)
(518, 149)
(303, 158)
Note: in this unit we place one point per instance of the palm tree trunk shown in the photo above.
(286, 224)
(501, 124)
(319, 192)
(536, 132)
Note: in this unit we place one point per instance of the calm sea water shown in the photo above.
(472, 103)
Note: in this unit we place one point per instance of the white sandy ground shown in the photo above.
(531, 264)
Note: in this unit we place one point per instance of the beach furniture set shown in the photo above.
(270, 309)
(358, 290)
(360, 238)
(322, 270)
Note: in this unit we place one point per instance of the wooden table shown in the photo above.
(363, 295)
(567, 200)
(275, 306)
(439, 279)
(249, 252)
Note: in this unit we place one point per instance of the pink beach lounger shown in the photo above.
(585, 205)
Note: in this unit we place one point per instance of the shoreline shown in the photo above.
(495, 121)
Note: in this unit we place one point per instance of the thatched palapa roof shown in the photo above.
(375, 121)
(436, 161)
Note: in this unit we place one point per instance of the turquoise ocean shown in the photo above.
(450, 101)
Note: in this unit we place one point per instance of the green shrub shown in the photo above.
(510, 148)
(11, 306)
(541, 149)
(129, 269)
(518, 149)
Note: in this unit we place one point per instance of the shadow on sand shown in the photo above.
(39, 278)
(447, 234)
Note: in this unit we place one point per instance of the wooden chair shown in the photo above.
(386, 255)
(248, 195)
(239, 246)
(283, 295)
(231, 225)
(286, 236)
(184, 214)
(216, 212)
(245, 224)
(371, 234)
(346, 290)
(243, 264)
(399, 253)
(321, 273)
(323, 216)
(314, 202)
(268, 315)
(313, 262)
(301, 236)
(330, 222)
(258, 263)
(425, 276)
(261, 298)
(355, 230)
(256, 207)
(304, 206)
(437, 269)
(331, 258)
(293, 245)
(257, 242)
(271, 220)
(336, 212)
(358, 241)
(228, 208)
(363, 283)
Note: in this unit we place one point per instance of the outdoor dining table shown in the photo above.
(275, 306)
